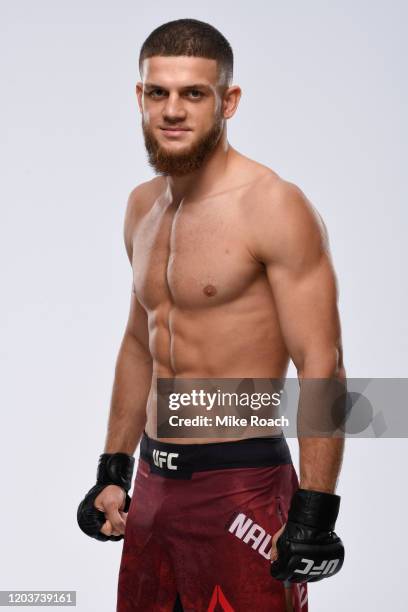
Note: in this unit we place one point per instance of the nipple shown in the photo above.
(210, 290)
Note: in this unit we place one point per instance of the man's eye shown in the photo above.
(156, 93)
(194, 93)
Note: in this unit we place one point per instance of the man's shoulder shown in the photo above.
(143, 196)
(251, 172)
(267, 186)
(280, 217)
(274, 197)
(140, 201)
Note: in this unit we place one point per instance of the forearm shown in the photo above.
(320, 457)
(127, 418)
(320, 463)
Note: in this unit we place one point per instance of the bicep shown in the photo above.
(135, 209)
(128, 226)
(306, 302)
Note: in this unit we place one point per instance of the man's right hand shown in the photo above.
(111, 501)
(103, 511)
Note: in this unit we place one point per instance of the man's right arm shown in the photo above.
(133, 372)
(103, 511)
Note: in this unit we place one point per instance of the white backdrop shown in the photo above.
(324, 104)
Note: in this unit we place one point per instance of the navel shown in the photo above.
(210, 290)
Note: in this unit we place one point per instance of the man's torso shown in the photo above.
(211, 312)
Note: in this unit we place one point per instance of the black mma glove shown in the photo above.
(308, 549)
(113, 468)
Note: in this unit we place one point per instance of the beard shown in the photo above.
(179, 164)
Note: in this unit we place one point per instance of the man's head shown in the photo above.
(186, 68)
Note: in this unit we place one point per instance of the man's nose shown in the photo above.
(173, 109)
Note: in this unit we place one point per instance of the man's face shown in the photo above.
(182, 112)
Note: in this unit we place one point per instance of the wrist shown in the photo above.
(115, 468)
(316, 509)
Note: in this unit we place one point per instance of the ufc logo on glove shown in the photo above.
(326, 567)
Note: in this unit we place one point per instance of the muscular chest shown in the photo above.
(194, 255)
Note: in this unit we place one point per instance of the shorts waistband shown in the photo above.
(182, 460)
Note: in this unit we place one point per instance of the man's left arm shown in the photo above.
(292, 244)
(290, 240)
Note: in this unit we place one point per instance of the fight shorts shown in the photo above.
(199, 528)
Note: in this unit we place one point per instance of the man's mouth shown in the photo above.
(174, 131)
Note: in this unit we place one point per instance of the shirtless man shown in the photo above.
(232, 277)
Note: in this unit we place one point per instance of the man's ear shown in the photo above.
(231, 100)
(139, 95)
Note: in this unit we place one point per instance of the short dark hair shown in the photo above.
(190, 37)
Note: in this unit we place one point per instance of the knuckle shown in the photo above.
(118, 525)
(111, 505)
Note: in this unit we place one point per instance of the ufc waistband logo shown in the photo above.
(162, 459)
(326, 567)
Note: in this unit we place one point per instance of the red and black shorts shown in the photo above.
(199, 528)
